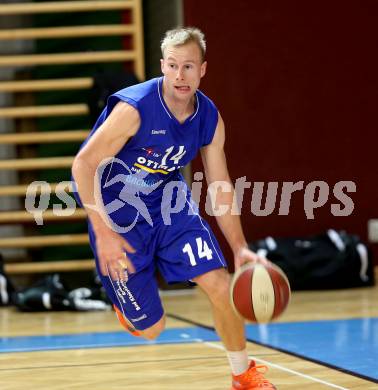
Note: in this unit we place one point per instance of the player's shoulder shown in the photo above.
(205, 101)
(138, 92)
(138, 96)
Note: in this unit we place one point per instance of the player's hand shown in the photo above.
(112, 256)
(245, 255)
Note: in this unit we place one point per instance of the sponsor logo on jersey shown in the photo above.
(151, 166)
(123, 291)
(139, 318)
(151, 152)
(157, 132)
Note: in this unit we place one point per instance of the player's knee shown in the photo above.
(216, 285)
(154, 331)
(221, 295)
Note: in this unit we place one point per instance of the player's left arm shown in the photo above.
(215, 166)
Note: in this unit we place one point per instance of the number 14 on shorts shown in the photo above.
(203, 250)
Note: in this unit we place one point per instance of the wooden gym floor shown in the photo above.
(325, 339)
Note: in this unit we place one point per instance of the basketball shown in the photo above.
(259, 292)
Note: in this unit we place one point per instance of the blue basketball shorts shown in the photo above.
(181, 250)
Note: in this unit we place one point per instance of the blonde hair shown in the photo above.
(182, 36)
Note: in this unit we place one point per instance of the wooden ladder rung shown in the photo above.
(46, 85)
(50, 266)
(37, 163)
(67, 32)
(48, 215)
(138, 40)
(44, 111)
(44, 137)
(64, 6)
(21, 189)
(42, 241)
(68, 58)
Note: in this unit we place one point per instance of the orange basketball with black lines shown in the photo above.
(259, 292)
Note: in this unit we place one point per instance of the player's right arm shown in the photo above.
(122, 124)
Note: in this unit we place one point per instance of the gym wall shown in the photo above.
(296, 84)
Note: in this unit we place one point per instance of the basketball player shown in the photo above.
(131, 161)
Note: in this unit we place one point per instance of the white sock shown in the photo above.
(238, 361)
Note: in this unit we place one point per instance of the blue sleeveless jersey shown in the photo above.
(161, 146)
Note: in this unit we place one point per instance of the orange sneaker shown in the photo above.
(252, 379)
(125, 323)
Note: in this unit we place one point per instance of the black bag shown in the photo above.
(326, 261)
(6, 287)
(50, 294)
(47, 294)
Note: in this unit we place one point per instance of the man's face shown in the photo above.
(183, 69)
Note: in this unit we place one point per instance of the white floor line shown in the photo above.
(217, 346)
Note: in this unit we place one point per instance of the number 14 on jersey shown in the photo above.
(203, 250)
